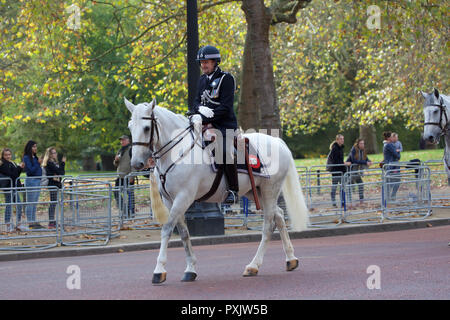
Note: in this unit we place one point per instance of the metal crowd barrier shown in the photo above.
(91, 209)
(85, 212)
(439, 184)
(406, 193)
(26, 223)
(363, 196)
(324, 196)
(116, 189)
(136, 211)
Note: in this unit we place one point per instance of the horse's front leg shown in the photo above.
(179, 207)
(189, 274)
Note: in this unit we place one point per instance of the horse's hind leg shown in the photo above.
(291, 260)
(189, 273)
(269, 208)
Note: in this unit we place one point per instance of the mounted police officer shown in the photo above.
(214, 103)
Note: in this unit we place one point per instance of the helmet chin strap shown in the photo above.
(215, 69)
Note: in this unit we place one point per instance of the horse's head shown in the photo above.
(144, 132)
(435, 116)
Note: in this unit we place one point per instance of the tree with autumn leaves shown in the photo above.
(66, 66)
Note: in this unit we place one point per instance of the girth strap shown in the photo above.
(214, 186)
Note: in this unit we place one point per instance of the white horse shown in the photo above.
(436, 110)
(168, 138)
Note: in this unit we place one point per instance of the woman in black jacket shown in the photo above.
(336, 165)
(54, 170)
(9, 169)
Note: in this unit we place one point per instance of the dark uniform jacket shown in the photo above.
(218, 95)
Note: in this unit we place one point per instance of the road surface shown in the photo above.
(411, 264)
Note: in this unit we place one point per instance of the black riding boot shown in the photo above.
(233, 184)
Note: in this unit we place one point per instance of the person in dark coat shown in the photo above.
(11, 170)
(54, 170)
(336, 165)
(214, 102)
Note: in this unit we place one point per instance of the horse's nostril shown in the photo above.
(431, 138)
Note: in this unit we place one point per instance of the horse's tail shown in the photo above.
(294, 199)
(159, 209)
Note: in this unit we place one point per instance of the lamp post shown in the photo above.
(202, 218)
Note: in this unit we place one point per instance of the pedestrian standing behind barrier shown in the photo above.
(397, 144)
(391, 155)
(359, 160)
(32, 183)
(122, 161)
(336, 157)
(9, 169)
(53, 169)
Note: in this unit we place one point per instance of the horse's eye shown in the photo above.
(146, 129)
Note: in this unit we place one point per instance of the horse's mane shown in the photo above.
(182, 120)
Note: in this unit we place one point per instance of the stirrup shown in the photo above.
(231, 197)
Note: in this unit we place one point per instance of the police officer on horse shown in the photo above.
(214, 103)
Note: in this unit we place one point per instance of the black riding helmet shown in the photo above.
(208, 53)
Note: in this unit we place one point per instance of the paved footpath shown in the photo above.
(406, 264)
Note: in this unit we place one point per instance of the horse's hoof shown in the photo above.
(159, 278)
(189, 276)
(250, 272)
(291, 265)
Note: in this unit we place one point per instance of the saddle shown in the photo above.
(254, 160)
(249, 163)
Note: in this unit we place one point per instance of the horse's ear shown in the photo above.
(436, 93)
(129, 105)
(153, 104)
(424, 94)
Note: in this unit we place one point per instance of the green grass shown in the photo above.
(423, 155)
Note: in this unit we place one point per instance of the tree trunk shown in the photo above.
(369, 134)
(248, 114)
(107, 162)
(258, 108)
(89, 163)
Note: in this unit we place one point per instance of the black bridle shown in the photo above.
(442, 115)
(154, 129)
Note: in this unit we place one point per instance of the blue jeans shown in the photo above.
(8, 210)
(32, 196)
